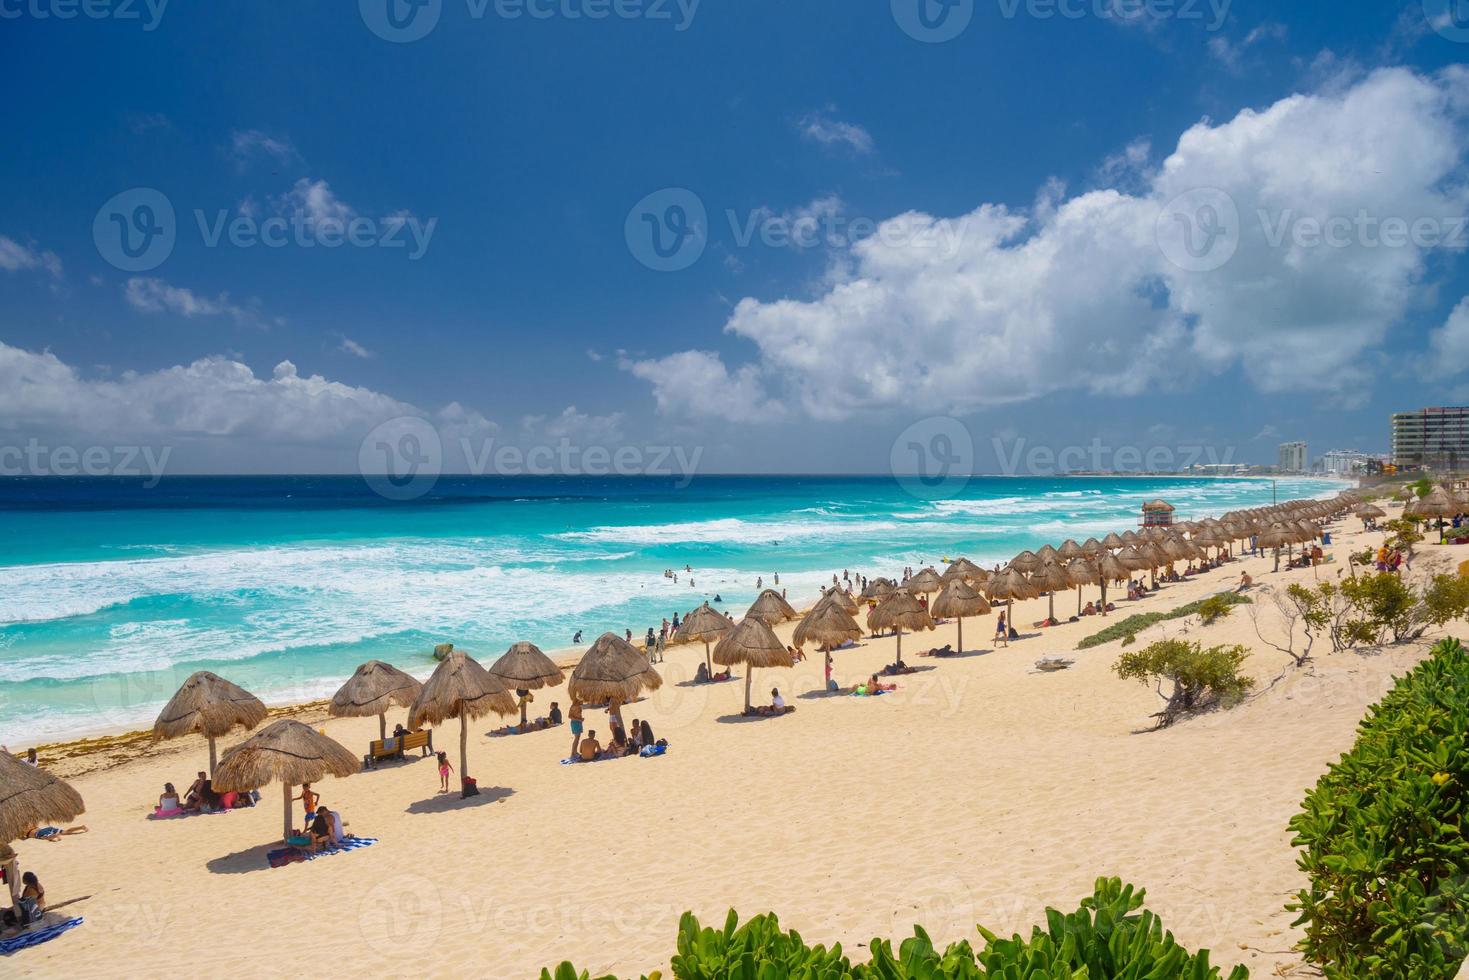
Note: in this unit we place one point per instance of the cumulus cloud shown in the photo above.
(147, 294)
(317, 204)
(214, 413)
(15, 257)
(697, 383)
(1449, 344)
(826, 129)
(1077, 292)
(350, 346)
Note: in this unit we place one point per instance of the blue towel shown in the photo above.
(649, 751)
(35, 938)
(290, 855)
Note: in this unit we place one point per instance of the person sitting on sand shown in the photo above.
(590, 748)
(646, 734)
(320, 830)
(199, 795)
(797, 654)
(701, 675)
(1090, 610)
(168, 800)
(555, 713)
(1244, 582)
(31, 906)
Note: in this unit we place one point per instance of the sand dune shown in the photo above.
(980, 791)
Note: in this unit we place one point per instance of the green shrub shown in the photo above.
(1216, 607)
(1110, 935)
(1201, 678)
(1382, 835)
(1378, 608)
(1141, 621)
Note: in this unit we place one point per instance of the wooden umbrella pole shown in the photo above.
(463, 742)
(287, 835)
(899, 631)
(749, 679)
(708, 664)
(961, 634)
(382, 726)
(1104, 595)
(212, 757)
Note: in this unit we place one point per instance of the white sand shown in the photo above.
(981, 791)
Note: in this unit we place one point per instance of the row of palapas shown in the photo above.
(294, 753)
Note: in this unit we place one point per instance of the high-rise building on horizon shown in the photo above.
(1293, 458)
(1435, 438)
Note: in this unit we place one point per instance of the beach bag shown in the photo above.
(29, 911)
(471, 788)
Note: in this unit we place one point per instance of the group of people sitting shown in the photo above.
(630, 741)
(30, 904)
(201, 798)
(702, 675)
(873, 686)
(898, 667)
(777, 705)
(1096, 608)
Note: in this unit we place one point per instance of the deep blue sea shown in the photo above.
(112, 592)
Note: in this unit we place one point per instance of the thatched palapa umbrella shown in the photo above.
(898, 612)
(879, 588)
(1010, 584)
(372, 690)
(525, 668)
(959, 599)
(840, 598)
(1083, 571)
(288, 751)
(460, 688)
(961, 568)
(771, 608)
(1111, 569)
(827, 626)
(926, 582)
(612, 670)
(705, 626)
(753, 644)
(30, 798)
(1051, 578)
(210, 705)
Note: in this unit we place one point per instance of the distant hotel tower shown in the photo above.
(1293, 458)
(1436, 438)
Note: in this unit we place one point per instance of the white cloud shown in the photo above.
(1077, 294)
(350, 346)
(1231, 55)
(826, 129)
(149, 295)
(316, 203)
(246, 144)
(1449, 344)
(1127, 169)
(696, 383)
(215, 413)
(575, 426)
(15, 257)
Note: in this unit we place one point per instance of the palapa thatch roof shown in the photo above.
(840, 598)
(612, 668)
(958, 598)
(1083, 571)
(1112, 569)
(703, 625)
(899, 611)
(1069, 549)
(925, 582)
(1092, 548)
(1113, 540)
(827, 625)
(1438, 502)
(210, 705)
(1026, 561)
(962, 568)
(1010, 584)
(1051, 577)
(372, 689)
(771, 608)
(525, 667)
(286, 751)
(31, 797)
(878, 588)
(752, 643)
(459, 682)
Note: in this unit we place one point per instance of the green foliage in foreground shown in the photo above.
(1383, 839)
(1110, 935)
(1212, 607)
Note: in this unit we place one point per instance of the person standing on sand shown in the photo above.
(444, 770)
(1002, 631)
(574, 715)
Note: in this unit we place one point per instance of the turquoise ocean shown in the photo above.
(112, 592)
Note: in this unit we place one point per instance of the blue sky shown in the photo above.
(1010, 178)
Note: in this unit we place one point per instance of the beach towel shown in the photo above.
(35, 937)
(283, 856)
(158, 814)
(649, 751)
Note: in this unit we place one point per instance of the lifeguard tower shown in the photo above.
(1157, 513)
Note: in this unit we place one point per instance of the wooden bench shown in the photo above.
(393, 748)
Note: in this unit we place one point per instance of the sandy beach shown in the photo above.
(981, 791)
